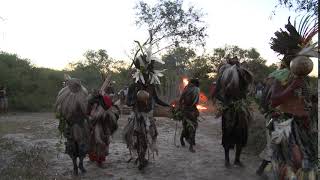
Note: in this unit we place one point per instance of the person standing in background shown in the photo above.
(3, 100)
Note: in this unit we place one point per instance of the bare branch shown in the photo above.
(164, 48)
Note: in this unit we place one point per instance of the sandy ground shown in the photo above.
(30, 129)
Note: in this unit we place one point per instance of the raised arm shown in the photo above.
(158, 100)
(280, 95)
(181, 100)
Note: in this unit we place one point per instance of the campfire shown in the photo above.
(200, 107)
(203, 98)
(185, 82)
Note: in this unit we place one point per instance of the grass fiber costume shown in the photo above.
(231, 95)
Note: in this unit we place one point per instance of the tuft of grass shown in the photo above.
(27, 164)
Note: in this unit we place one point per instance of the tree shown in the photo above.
(28, 88)
(222, 54)
(178, 59)
(200, 67)
(98, 61)
(167, 19)
(310, 6)
(249, 58)
(259, 70)
(96, 65)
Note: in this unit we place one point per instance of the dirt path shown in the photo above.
(27, 130)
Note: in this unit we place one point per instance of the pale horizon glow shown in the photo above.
(54, 33)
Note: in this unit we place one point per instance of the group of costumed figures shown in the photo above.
(287, 102)
(88, 121)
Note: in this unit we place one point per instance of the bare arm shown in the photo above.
(158, 100)
(280, 95)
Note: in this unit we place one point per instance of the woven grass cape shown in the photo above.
(72, 99)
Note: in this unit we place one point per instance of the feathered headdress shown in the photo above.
(296, 40)
(144, 64)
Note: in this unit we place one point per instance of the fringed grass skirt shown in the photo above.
(143, 124)
(235, 126)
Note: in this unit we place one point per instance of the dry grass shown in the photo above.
(26, 164)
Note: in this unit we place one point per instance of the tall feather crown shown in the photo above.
(296, 38)
(144, 64)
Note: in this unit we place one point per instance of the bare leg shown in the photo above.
(192, 140)
(83, 170)
(143, 145)
(226, 155)
(262, 167)
(75, 167)
(191, 149)
(238, 153)
(194, 135)
(181, 138)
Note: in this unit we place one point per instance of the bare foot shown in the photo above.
(82, 169)
(191, 149)
(101, 165)
(238, 163)
(227, 164)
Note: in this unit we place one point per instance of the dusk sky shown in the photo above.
(54, 33)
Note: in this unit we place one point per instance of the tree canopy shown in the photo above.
(168, 20)
(28, 88)
(96, 64)
(34, 89)
(309, 6)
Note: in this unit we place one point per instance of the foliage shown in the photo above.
(249, 58)
(28, 88)
(200, 67)
(260, 70)
(183, 61)
(178, 59)
(96, 65)
(89, 75)
(167, 19)
(177, 114)
(220, 55)
(96, 61)
(300, 5)
(62, 123)
(35, 89)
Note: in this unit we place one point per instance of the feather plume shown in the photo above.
(310, 51)
(144, 64)
(296, 37)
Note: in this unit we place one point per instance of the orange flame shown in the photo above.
(200, 107)
(203, 97)
(185, 82)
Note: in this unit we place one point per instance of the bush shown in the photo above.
(28, 88)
